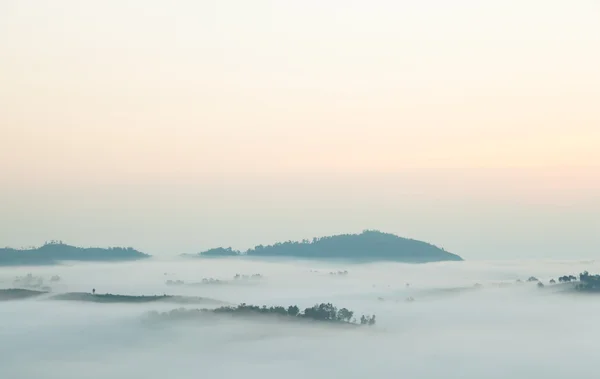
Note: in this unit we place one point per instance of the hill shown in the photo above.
(370, 245)
(53, 252)
(217, 252)
(129, 299)
(22, 294)
(18, 294)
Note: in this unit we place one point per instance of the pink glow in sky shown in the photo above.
(116, 116)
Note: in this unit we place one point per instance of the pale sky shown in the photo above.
(183, 125)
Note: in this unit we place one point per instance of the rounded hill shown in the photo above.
(370, 245)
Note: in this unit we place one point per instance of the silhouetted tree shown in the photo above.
(293, 310)
(372, 320)
(345, 315)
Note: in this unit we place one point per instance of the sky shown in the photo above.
(180, 126)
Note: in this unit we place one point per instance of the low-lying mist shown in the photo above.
(465, 320)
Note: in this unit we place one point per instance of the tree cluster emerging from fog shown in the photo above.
(584, 283)
(587, 282)
(567, 278)
(325, 312)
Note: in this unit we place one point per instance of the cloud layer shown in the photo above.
(451, 330)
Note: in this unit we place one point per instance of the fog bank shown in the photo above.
(451, 330)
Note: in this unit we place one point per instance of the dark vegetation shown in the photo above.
(220, 252)
(108, 298)
(55, 251)
(320, 312)
(370, 245)
(583, 283)
(21, 294)
(588, 283)
(567, 278)
(18, 294)
(129, 299)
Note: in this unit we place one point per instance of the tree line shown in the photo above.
(320, 312)
(585, 281)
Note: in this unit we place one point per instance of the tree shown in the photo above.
(279, 310)
(321, 312)
(345, 315)
(372, 320)
(293, 310)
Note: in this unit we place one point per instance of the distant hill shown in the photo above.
(22, 294)
(217, 252)
(370, 245)
(18, 294)
(53, 252)
(112, 298)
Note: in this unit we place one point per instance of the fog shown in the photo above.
(451, 330)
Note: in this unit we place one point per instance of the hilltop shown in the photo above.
(53, 252)
(218, 252)
(370, 245)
